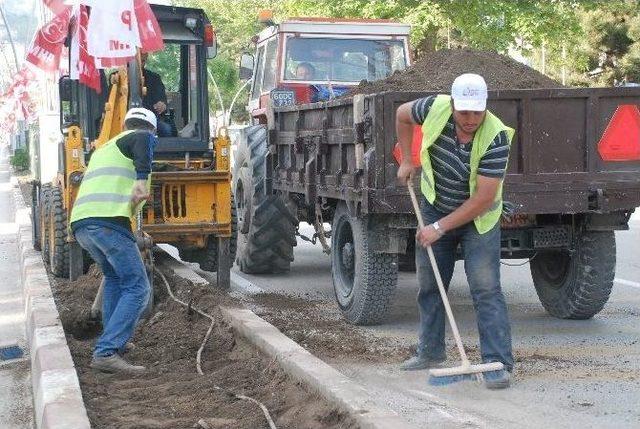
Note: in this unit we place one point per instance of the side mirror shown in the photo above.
(64, 88)
(246, 67)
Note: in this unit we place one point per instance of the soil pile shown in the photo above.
(437, 70)
(172, 394)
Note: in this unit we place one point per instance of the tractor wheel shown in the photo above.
(266, 223)
(35, 216)
(578, 285)
(42, 219)
(58, 246)
(364, 281)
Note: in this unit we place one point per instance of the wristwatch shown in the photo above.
(438, 228)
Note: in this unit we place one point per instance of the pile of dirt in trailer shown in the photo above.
(436, 71)
(172, 394)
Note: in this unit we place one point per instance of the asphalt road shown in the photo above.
(568, 373)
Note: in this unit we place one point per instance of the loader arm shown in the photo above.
(127, 88)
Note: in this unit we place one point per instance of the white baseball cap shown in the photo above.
(469, 92)
(142, 114)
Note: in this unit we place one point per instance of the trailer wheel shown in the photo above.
(58, 246)
(578, 285)
(266, 223)
(364, 282)
(40, 218)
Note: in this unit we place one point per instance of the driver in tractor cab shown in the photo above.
(305, 71)
(155, 99)
(113, 188)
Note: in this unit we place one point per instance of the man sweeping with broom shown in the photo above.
(464, 156)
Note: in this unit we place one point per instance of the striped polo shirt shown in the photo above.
(450, 160)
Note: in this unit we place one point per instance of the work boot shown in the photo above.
(420, 362)
(497, 379)
(115, 364)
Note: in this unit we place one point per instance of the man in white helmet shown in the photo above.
(113, 188)
(465, 149)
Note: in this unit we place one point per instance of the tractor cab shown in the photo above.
(305, 60)
(176, 74)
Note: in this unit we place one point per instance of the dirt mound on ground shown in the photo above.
(437, 70)
(171, 394)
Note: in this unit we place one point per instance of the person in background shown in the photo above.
(155, 99)
(305, 71)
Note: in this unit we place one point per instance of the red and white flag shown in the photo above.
(148, 27)
(83, 65)
(112, 30)
(48, 42)
(56, 6)
(107, 33)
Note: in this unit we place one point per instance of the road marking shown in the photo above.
(627, 282)
(244, 284)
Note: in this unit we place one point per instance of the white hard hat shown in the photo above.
(469, 92)
(142, 114)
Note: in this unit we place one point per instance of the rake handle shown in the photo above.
(436, 272)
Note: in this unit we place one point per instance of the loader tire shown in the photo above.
(41, 218)
(364, 281)
(578, 285)
(266, 223)
(58, 246)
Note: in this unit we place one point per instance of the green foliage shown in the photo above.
(577, 37)
(20, 160)
(477, 23)
(611, 42)
(167, 64)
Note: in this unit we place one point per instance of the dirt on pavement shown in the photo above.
(436, 71)
(320, 328)
(171, 394)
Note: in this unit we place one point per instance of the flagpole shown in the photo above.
(13, 48)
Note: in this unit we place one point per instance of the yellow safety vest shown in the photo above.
(432, 127)
(106, 187)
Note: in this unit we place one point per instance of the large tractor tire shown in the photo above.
(577, 285)
(208, 257)
(35, 217)
(364, 281)
(266, 223)
(41, 215)
(58, 246)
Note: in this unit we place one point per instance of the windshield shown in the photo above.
(342, 60)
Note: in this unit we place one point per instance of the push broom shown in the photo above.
(466, 371)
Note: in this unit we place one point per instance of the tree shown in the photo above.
(483, 24)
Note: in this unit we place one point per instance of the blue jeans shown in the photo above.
(164, 129)
(481, 253)
(126, 286)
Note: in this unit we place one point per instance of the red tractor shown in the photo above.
(304, 60)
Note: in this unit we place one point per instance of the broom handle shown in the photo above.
(436, 272)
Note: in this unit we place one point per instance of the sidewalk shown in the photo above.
(16, 409)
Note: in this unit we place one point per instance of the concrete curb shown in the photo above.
(332, 385)
(57, 397)
(340, 391)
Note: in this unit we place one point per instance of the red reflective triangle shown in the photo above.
(621, 139)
